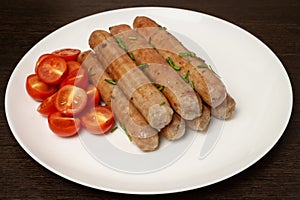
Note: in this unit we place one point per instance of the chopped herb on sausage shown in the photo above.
(171, 63)
(110, 81)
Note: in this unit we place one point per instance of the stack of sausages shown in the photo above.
(153, 83)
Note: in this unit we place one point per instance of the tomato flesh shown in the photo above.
(37, 89)
(67, 53)
(70, 100)
(62, 125)
(93, 95)
(78, 78)
(40, 59)
(73, 65)
(98, 120)
(52, 69)
(48, 105)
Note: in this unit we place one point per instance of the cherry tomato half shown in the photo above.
(93, 95)
(98, 120)
(40, 59)
(48, 105)
(62, 125)
(73, 65)
(70, 100)
(37, 89)
(78, 78)
(52, 69)
(67, 53)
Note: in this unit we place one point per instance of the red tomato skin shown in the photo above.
(78, 78)
(40, 59)
(63, 126)
(52, 70)
(67, 53)
(93, 95)
(48, 105)
(98, 120)
(37, 89)
(71, 100)
(73, 65)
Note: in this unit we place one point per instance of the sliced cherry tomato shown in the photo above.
(40, 59)
(62, 125)
(48, 105)
(37, 89)
(52, 69)
(93, 95)
(98, 120)
(73, 65)
(70, 100)
(78, 78)
(67, 53)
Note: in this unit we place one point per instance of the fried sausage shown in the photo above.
(135, 85)
(201, 123)
(175, 129)
(206, 83)
(145, 137)
(225, 110)
(180, 95)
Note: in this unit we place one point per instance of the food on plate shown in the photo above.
(77, 77)
(205, 81)
(73, 65)
(52, 69)
(98, 119)
(70, 98)
(48, 105)
(132, 81)
(67, 53)
(225, 110)
(148, 80)
(62, 125)
(131, 120)
(82, 56)
(37, 89)
(40, 59)
(180, 95)
(181, 89)
(93, 95)
(176, 129)
(201, 123)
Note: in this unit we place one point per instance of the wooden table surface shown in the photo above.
(275, 22)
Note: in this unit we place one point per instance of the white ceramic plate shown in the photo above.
(252, 73)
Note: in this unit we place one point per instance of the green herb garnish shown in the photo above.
(192, 85)
(143, 66)
(202, 66)
(121, 43)
(162, 27)
(89, 72)
(131, 56)
(150, 42)
(209, 67)
(171, 63)
(159, 87)
(113, 129)
(187, 54)
(162, 103)
(110, 81)
(186, 77)
(132, 38)
(126, 132)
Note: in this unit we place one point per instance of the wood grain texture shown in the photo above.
(276, 23)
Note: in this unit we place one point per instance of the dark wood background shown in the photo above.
(275, 22)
